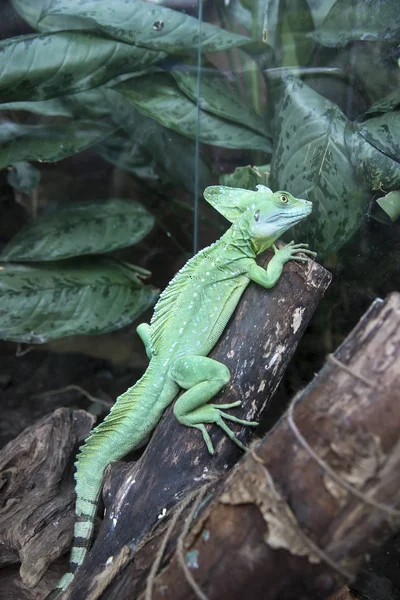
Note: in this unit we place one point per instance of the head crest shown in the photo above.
(232, 202)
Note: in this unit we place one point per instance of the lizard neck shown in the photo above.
(236, 241)
(252, 246)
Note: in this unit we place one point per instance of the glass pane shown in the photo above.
(116, 115)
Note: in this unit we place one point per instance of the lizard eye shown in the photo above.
(284, 199)
(257, 216)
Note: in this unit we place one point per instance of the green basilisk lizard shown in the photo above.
(188, 320)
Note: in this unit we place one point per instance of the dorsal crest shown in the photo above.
(169, 299)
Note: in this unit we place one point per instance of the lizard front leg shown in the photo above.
(269, 276)
(203, 378)
(143, 331)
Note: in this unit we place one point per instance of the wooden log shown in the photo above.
(37, 492)
(257, 345)
(306, 505)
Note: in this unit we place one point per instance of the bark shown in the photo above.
(37, 493)
(306, 505)
(256, 346)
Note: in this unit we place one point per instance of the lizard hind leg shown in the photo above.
(203, 378)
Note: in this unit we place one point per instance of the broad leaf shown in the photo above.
(296, 25)
(43, 66)
(49, 108)
(383, 132)
(141, 147)
(319, 10)
(351, 20)
(284, 26)
(85, 228)
(23, 177)
(48, 301)
(311, 161)
(387, 104)
(247, 177)
(47, 141)
(126, 154)
(374, 148)
(158, 97)
(236, 12)
(29, 10)
(217, 95)
(143, 24)
(391, 204)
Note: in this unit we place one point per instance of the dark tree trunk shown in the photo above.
(256, 346)
(306, 505)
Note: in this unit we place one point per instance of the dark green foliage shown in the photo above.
(47, 301)
(86, 228)
(311, 159)
(311, 93)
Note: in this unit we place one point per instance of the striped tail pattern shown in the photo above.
(131, 419)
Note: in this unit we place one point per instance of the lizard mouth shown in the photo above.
(291, 217)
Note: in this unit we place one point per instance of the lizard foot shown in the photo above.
(212, 413)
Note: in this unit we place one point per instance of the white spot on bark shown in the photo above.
(162, 514)
(297, 318)
(261, 387)
(250, 391)
(274, 360)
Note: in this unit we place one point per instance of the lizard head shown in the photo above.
(262, 215)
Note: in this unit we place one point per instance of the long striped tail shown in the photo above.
(129, 422)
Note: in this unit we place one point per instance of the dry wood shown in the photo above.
(304, 507)
(37, 493)
(257, 346)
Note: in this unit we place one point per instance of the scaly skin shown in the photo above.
(188, 320)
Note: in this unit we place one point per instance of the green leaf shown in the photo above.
(49, 108)
(319, 10)
(29, 10)
(123, 152)
(391, 204)
(383, 132)
(217, 95)
(43, 66)
(84, 228)
(285, 26)
(23, 177)
(351, 20)
(297, 23)
(95, 104)
(238, 14)
(247, 177)
(48, 301)
(374, 148)
(144, 24)
(140, 148)
(158, 97)
(48, 141)
(387, 104)
(311, 161)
